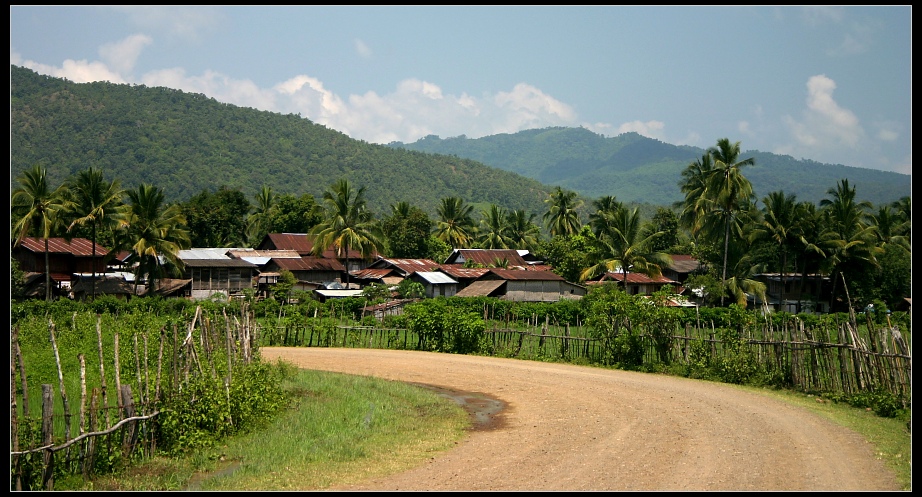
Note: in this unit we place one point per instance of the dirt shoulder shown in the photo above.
(547, 426)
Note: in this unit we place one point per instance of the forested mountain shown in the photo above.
(185, 143)
(635, 168)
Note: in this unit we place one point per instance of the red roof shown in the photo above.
(408, 266)
(309, 264)
(80, 247)
(458, 271)
(301, 243)
(518, 274)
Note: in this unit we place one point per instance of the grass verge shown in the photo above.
(341, 430)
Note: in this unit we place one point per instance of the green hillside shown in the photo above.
(185, 143)
(634, 168)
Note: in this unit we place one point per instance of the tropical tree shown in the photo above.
(694, 185)
(155, 233)
(260, 219)
(407, 231)
(562, 216)
(621, 245)
(97, 203)
(494, 228)
(347, 224)
(726, 191)
(851, 241)
(810, 251)
(37, 209)
(778, 225)
(522, 231)
(455, 225)
(888, 224)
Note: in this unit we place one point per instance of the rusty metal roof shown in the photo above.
(684, 263)
(487, 257)
(460, 272)
(371, 273)
(480, 288)
(301, 243)
(309, 263)
(218, 263)
(518, 274)
(406, 266)
(80, 247)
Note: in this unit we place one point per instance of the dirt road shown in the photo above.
(565, 427)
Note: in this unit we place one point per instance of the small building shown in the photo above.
(213, 271)
(523, 286)
(681, 268)
(324, 294)
(505, 258)
(302, 243)
(808, 294)
(436, 283)
(65, 259)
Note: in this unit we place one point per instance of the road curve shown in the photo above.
(567, 427)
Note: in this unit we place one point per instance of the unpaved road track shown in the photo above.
(566, 427)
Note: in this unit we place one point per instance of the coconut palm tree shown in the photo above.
(455, 225)
(259, 220)
(347, 224)
(726, 190)
(562, 216)
(97, 203)
(37, 209)
(621, 245)
(494, 228)
(779, 226)
(155, 233)
(523, 232)
(694, 185)
(851, 240)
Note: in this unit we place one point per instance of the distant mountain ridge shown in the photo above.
(634, 168)
(185, 143)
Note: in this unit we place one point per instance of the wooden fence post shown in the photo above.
(131, 429)
(48, 436)
(57, 360)
(14, 424)
(102, 368)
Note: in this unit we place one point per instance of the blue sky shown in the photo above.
(830, 84)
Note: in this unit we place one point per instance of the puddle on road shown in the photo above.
(485, 411)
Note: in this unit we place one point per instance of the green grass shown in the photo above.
(342, 429)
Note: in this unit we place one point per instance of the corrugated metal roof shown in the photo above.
(487, 256)
(268, 254)
(481, 288)
(338, 293)
(301, 243)
(259, 261)
(204, 253)
(308, 263)
(684, 263)
(407, 266)
(218, 263)
(80, 247)
(436, 277)
(371, 274)
(465, 273)
(517, 274)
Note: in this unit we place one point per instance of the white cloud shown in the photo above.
(122, 55)
(650, 129)
(825, 128)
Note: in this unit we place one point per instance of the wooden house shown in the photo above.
(523, 286)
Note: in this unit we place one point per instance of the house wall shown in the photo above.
(206, 281)
(534, 291)
(443, 290)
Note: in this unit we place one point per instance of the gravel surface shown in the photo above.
(547, 426)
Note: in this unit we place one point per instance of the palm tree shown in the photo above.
(523, 232)
(605, 208)
(37, 209)
(455, 226)
(852, 241)
(621, 245)
(779, 225)
(727, 189)
(96, 202)
(347, 224)
(258, 221)
(562, 217)
(888, 224)
(155, 233)
(694, 185)
(494, 228)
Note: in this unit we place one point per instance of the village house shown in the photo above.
(66, 258)
(523, 286)
(212, 271)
